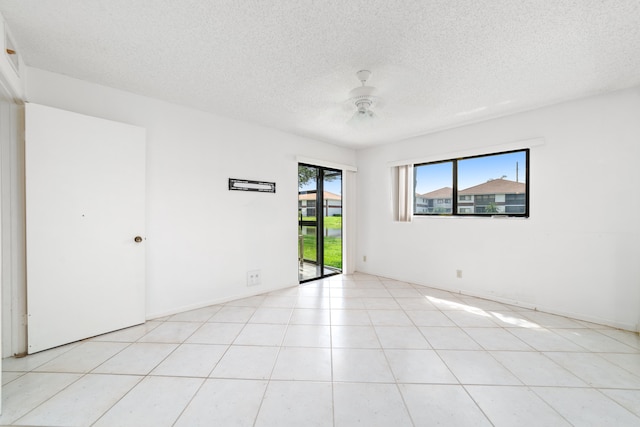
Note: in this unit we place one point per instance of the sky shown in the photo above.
(471, 172)
(333, 186)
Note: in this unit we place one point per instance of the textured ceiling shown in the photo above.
(290, 64)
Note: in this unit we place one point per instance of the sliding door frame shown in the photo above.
(319, 221)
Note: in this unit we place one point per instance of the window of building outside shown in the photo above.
(486, 185)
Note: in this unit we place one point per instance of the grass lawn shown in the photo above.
(332, 245)
(333, 252)
(332, 222)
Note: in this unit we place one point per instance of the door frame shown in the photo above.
(349, 195)
(319, 222)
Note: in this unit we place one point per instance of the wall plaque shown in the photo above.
(249, 185)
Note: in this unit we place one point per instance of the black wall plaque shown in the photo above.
(249, 185)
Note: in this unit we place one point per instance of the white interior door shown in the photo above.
(85, 201)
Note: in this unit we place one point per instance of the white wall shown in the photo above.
(578, 252)
(203, 238)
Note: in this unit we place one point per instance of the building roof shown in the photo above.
(442, 193)
(312, 196)
(496, 186)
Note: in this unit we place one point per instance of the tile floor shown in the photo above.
(345, 351)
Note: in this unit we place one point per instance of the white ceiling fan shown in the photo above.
(364, 99)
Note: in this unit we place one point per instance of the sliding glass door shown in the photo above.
(319, 222)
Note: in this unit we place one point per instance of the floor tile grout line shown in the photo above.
(333, 389)
(389, 365)
(549, 405)
(508, 330)
(269, 377)
(50, 397)
(142, 378)
(204, 381)
(619, 365)
(386, 356)
(482, 411)
(433, 349)
(481, 346)
(148, 374)
(404, 310)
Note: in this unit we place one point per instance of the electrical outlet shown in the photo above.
(253, 278)
(459, 274)
(364, 258)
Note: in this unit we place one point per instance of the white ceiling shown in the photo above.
(289, 64)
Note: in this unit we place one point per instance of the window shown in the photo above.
(434, 198)
(486, 185)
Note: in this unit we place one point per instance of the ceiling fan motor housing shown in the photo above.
(363, 97)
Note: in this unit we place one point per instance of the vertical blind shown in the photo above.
(403, 211)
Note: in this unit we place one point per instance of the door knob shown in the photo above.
(137, 239)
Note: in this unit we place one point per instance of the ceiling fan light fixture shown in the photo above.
(362, 118)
